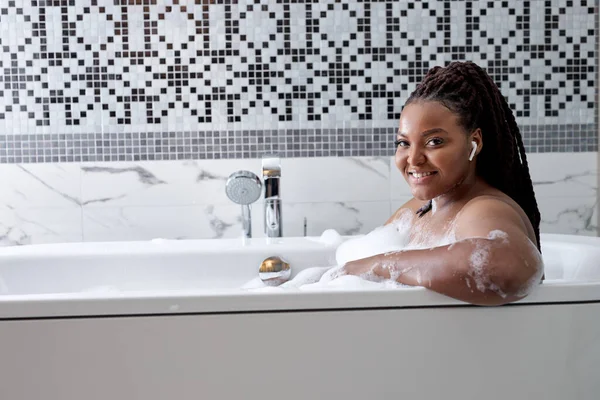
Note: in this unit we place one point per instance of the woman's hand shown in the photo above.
(358, 267)
(366, 268)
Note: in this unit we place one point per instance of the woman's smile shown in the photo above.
(421, 178)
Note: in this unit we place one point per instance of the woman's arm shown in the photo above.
(493, 261)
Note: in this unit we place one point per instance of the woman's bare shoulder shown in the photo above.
(410, 206)
(494, 209)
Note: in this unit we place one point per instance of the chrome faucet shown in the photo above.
(271, 172)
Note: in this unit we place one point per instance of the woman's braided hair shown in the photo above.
(467, 90)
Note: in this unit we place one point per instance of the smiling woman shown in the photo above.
(473, 223)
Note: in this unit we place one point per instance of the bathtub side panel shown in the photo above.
(549, 352)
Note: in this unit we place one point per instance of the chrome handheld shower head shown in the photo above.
(244, 187)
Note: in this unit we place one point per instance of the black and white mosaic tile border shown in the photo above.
(93, 66)
(252, 144)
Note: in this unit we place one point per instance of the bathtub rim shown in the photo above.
(191, 302)
(236, 302)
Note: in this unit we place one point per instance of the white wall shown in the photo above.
(41, 203)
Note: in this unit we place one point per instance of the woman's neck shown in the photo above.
(464, 189)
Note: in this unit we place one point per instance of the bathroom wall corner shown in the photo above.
(598, 125)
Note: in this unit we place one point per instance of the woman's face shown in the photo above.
(433, 149)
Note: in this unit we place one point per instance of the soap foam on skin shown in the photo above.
(384, 239)
(418, 277)
(498, 234)
(389, 239)
(479, 260)
(433, 207)
(423, 239)
(395, 272)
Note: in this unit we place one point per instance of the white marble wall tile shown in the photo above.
(207, 221)
(159, 183)
(335, 179)
(569, 215)
(168, 222)
(203, 182)
(40, 203)
(348, 218)
(39, 225)
(564, 174)
(137, 201)
(40, 185)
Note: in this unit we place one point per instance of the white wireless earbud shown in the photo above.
(474, 145)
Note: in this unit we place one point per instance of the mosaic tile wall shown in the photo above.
(108, 80)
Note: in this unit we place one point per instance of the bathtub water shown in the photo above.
(159, 319)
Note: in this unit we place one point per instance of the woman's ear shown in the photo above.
(476, 138)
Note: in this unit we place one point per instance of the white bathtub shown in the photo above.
(166, 319)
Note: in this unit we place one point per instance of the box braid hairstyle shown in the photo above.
(468, 91)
